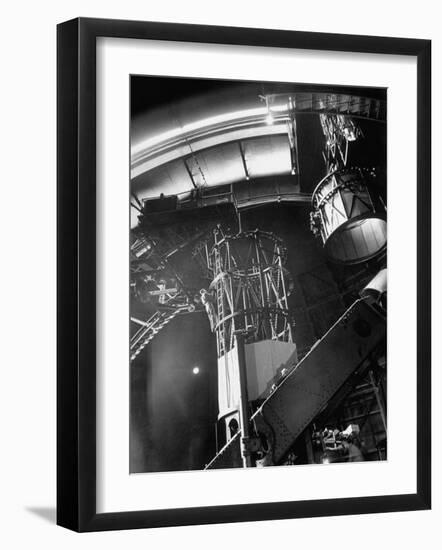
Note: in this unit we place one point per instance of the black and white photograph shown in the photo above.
(258, 274)
(205, 205)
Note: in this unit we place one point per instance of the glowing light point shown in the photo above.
(195, 370)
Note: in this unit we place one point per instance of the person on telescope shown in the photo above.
(207, 301)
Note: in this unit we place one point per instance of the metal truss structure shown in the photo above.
(150, 328)
(349, 215)
(327, 372)
(249, 288)
(338, 131)
(221, 166)
(155, 283)
(255, 139)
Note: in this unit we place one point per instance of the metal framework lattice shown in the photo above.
(149, 328)
(338, 131)
(249, 288)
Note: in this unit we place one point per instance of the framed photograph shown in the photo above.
(228, 199)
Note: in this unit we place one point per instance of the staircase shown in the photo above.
(149, 329)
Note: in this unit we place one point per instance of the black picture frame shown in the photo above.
(76, 273)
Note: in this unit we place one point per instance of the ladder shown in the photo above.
(219, 291)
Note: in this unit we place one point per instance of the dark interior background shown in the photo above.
(173, 411)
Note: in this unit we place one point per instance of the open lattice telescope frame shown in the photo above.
(249, 288)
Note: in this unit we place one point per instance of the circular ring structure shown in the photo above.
(349, 216)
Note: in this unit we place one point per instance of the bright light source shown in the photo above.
(196, 126)
(200, 125)
(195, 370)
(269, 119)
